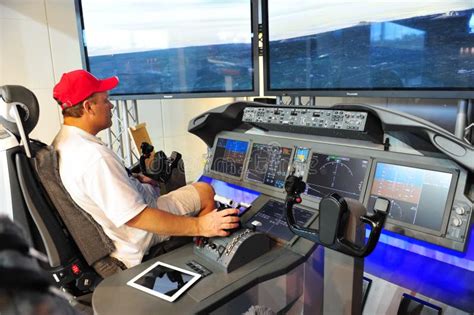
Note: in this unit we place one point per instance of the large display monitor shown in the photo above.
(165, 49)
(269, 164)
(336, 174)
(420, 198)
(229, 156)
(369, 48)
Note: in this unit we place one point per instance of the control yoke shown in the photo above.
(333, 220)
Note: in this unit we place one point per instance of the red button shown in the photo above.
(75, 269)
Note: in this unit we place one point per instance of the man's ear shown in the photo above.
(87, 105)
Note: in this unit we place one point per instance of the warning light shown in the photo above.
(75, 269)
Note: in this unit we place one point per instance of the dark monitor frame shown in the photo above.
(259, 184)
(454, 93)
(244, 166)
(447, 207)
(366, 177)
(172, 95)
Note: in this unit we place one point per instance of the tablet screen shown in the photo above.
(164, 281)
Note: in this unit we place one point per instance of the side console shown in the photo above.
(231, 252)
(240, 247)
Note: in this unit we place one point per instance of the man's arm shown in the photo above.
(161, 222)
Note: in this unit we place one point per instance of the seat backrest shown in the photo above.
(67, 267)
(59, 248)
(89, 236)
(70, 236)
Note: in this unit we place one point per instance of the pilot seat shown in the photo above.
(77, 248)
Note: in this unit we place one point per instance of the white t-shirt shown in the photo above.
(98, 182)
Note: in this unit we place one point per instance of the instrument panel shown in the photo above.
(426, 193)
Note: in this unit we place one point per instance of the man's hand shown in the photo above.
(145, 179)
(216, 222)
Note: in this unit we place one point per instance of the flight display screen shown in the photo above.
(418, 196)
(330, 173)
(229, 156)
(269, 164)
(272, 218)
(301, 155)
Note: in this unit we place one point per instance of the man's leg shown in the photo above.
(197, 199)
(206, 195)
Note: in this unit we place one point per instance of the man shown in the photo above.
(127, 207)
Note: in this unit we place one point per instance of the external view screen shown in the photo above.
(229, 156)
(363, 44)
(418, 196)
(170, 47)
(336, 174)
(269, 164)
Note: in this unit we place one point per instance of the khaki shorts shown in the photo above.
(182, 201)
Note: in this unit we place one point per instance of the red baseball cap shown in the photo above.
(77, 85)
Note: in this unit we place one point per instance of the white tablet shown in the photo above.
(164, 281)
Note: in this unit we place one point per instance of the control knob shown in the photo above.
(457, 222)
(460, 210)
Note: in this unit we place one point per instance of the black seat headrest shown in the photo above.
(28, 108)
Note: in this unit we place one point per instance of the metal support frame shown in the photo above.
(461, 118)
(343, 274)
(469, 130)
(296, 101)
(124, 115)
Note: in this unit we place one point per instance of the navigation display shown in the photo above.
(330, 173)
(229, 156)
(269, 164)
(418, 196)
(273, 220)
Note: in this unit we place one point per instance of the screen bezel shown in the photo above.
(172, 95)
(211, 171)
(260, 184)
(366, 176)
(447, 207)
(195, 277)
(453, 93)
